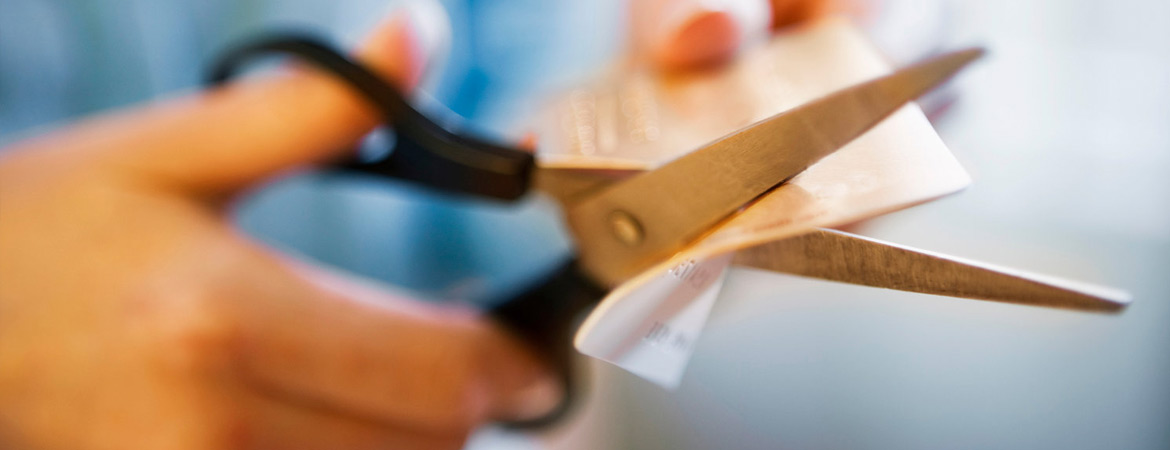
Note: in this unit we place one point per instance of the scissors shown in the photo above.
(623, 227)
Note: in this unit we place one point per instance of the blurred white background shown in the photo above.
(1066, 129)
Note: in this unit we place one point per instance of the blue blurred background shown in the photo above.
(1066, 128)
(62, 60)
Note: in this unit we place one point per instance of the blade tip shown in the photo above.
(966, 56)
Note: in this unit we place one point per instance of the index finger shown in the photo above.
(224, 139)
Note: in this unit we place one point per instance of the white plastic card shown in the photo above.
(653, 330)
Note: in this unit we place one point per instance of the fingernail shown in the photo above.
(527, 142)
(753, 16)
(533, 401)
(409, 45)
(431, 33)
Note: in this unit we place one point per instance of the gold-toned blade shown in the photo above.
(567, 185)
(636, 223)
(848, 258)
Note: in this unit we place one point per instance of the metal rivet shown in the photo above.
(626, 227)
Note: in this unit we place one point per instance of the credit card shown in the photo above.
(637, 119)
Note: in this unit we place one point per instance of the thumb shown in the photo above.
(225, 139)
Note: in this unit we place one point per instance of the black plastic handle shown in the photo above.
(424, 152)
(545, 316)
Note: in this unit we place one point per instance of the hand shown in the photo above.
(133, 315)
(688, 34)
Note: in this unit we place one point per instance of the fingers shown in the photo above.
(680, 34)
(276, 424)
(684, 34)
(354, 348)
(224, 139)
(690, 34)
(791, 12)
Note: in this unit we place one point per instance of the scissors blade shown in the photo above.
(636, 223)
(849, 258)
(569, 185)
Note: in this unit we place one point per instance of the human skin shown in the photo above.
(133, 315)
(691, 34)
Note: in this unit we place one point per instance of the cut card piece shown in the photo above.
(652, 333)
(640, 120)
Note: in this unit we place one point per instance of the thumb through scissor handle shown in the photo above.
(424, 152)
(545, 314)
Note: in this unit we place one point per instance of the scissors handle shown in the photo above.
(544, 315)
(424, 152)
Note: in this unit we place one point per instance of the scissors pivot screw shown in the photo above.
(626, 227)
